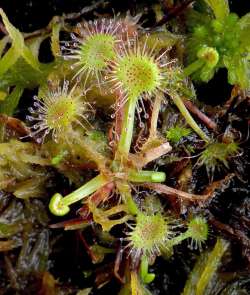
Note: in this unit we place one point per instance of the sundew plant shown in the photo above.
(111, 140)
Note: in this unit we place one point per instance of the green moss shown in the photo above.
(176, 133)
(222, 37)
(217, 154)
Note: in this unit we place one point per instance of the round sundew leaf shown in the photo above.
(149, 234)
(97, 51)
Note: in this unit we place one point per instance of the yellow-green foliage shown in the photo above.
(200, 281)
(217, 154)
(22, 168)
(223, 36)
(176, 133)
(95, 120)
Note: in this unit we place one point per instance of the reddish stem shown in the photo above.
(70, 222)
(164, 189)
(102, 194)
(87, 248)
(204, 118)
(118, 261)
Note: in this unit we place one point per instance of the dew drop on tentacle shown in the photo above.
(36, 126)
(29, 118)
(73, 36)
(31, 110)
(39, 140)
(36, 104)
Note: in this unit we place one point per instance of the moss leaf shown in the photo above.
(17, 49)
(220, 8)
(10, 103)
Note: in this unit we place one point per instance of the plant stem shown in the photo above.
(154, 117)
(127, 198)
(144, 274)
(146, 176)
(190, 69)
(85, 190)
(189, 119)
(127, 127)
(177, 240)
(60, 205)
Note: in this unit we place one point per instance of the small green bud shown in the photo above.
(210, 55)
(149, 278)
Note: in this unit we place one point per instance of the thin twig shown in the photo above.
(64, 17)
(207, 194)
(178, 9)
(85, 10)
(155, 115)
(161, 188)
(118, 261)
(87, 247)
(204, 118)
